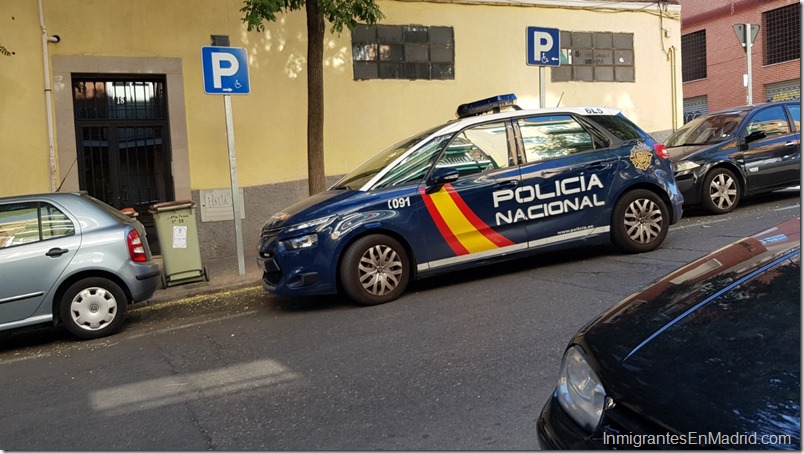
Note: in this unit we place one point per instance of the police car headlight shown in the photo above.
(301, 242)
(580, 392)
(684, 166)
(320, 222)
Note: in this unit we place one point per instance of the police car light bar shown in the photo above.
(493, 104)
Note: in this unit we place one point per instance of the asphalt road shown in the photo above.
(460, 362)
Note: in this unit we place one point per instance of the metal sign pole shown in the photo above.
(750, 82)
(542, 88)
(241, 264)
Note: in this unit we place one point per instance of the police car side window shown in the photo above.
(477, 149)
(553, 136)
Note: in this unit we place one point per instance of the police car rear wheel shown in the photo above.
(374, 270)
(640, 221)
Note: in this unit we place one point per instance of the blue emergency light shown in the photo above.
(493, 104)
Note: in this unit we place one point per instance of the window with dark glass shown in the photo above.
(771, 120)
(403, 52)
(595, 57)
(782, 34)
(693, 56)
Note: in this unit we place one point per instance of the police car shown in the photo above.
(497, 183)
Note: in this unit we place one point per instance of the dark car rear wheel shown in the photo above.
(721, 191)
(374, 270)
(640, 221)
(93, 307)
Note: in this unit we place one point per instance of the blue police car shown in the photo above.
(497, 183)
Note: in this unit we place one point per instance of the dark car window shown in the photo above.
(795, 112)
(707, 129)
(553, 136)
(772, 120)
(621, 127)
(24, 223)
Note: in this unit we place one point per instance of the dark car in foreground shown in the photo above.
(721, 157)
(491, 185)
(70, 259)
(709, 356)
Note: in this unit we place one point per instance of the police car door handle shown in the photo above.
(507, 184)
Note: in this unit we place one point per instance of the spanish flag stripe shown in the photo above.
(449, 237)
(458, 224)
(478, 223)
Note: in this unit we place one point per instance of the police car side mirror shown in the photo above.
(442, 176)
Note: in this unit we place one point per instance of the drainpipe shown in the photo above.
(674, 89)
(54, 179)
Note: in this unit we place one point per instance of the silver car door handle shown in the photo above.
(507, 184)
(792, 142)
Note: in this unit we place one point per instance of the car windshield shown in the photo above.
(411, 168)
(707, 129)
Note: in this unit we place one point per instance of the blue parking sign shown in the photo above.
(544, 46)
(225, 70)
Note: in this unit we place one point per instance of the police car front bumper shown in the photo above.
(296, 273)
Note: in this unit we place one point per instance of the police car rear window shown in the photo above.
(619, 126)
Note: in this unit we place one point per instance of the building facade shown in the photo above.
(714, 65)
(108, 96)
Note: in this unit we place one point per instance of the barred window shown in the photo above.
(403, 52)
(595, 57)
(783, 30)
(693, 56)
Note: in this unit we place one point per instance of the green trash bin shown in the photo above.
(178, 238)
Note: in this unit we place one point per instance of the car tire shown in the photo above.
(93, 307)
(721, 191)
(640, 221)
(374, 270)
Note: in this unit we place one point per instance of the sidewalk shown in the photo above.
(223, 275)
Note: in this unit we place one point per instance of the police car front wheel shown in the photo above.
(640, 221)
(374, 270)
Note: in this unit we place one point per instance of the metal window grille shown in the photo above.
(783, 30)
(403, 52)
(693, 56)
(595, 57)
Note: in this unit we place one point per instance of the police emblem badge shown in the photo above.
(641, 156)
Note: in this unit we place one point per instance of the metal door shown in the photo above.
(123, 144)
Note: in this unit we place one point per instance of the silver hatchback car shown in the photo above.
(68, 258)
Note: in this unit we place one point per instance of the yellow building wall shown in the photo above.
(361, 117)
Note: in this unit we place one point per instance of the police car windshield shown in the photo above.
(706, 130)
(357, 178)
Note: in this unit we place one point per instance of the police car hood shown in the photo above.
(313, 207)
(714, 345)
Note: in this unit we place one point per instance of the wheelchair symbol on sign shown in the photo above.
(237, 84)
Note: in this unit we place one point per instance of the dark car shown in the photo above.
(709, 356)
(723, 156)
(70, 259)
(488, 186)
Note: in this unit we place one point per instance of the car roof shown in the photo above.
(42, 195)
(482, 118)
(737, 109)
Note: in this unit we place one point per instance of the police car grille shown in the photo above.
(272, 278)
(270, 233)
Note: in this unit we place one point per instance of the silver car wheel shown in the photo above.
(643, 221)
(380, 270)
(93, 308)
(723, 191)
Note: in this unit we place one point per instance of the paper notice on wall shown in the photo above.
(180, 237)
